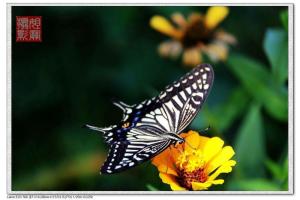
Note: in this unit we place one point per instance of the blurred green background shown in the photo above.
(91, 55)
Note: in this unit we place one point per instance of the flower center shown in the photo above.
(185, 179)
(197, 33)
(191, 167)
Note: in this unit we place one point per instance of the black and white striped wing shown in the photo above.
(123, 155)
(181, 101)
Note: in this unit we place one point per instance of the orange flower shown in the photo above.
(195, 164)
(194, 36)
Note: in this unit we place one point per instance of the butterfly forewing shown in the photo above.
(181, 101)
(170, 112)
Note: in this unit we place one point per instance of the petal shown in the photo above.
(225, 168)
(194, 17)
(165, 162)
(215, 15)
(160, 158)
(217, 182)
(225, 155)
(179, 19)
(216, 51)
(225, 37)
(212, 147)
(167, 169)
(193, 140)
(192, 57)
(171, 180)
(170, 49)
(207, 184)
(201, 186)
(176, 151)
(162, 25)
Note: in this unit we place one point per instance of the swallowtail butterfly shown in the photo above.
(150, 127)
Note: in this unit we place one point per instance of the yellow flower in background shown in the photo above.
(195, 164)
(195, 35)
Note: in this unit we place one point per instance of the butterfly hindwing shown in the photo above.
(123, 156)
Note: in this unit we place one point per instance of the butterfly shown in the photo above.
(152, 126)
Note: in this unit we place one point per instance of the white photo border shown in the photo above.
(291, 102)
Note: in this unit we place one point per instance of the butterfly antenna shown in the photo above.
(205, 130)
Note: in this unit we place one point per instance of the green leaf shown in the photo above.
(284, 17)
(274, 168)
(279, 172)
(276, 49)
(250, 145)
(285, 172)
(151, 188)
(254, 185)
(226, 113)
(257, 81)
(232, 108)
(285, 168)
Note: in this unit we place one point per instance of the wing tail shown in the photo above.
(95, 128)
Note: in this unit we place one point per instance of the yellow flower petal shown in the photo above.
(170, 49)
(165, 162)
(206, 185)
(167, 169)
(175, 152)
(212, 147)
(225, 168)
(201, 186)
(192, 57)
(217, 182)
(169, 179)
(162, 25)
(193, 140)
(225, 155)
(215, 15)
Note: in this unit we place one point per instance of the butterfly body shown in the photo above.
(150, 127)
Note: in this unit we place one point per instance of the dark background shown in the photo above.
(91, 55)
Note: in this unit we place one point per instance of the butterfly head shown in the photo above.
(181, 141)
(118, 132)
